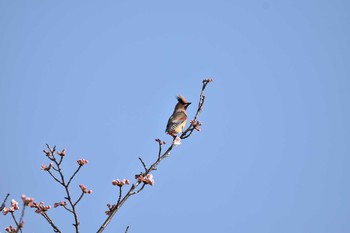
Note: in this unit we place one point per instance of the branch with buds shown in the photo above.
(12, 209)
(55, 171)
(146, 178)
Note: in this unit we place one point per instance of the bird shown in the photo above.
(178, 119)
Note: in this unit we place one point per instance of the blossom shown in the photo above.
(10, 229)
(110, 209)
(120, 183)
(48, 153)
(6, 210)
(21, 224)
(13, 208)
(196, 124)
(46, 168)
(61, 203)
(209, 80)
(159, 141)
(26, 200)
(84, 189)
(146, 179)
(62, 153)
(14, 204)
(82, 162)
(39, 208)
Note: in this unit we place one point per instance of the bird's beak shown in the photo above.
(189, 103)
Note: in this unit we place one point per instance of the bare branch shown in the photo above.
(4, 202)
(70, 180)
(15, 220)
(20, 225)
(81, 196)
(126, 230)
(69, 210)
(57, 180)
(160, 143)
(120, 195)
(143, 163)
(143, 185)
(48, 219)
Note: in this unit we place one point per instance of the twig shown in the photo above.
(190, 129)
(120, 195)
(143, 185)
(4, 202)
(143, 163)
(70, 180)
(15, 220)
(155, 164)
(62, 181)
(68, 197)
(69, 210)
(57, 180)
(81, 196)
(48, 219)
(126, 230)
(19, 227)
(160, 148)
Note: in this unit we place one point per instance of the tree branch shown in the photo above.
(4, 202)
(143, 164)
(48, 219)
(61, 180)
(160, 157)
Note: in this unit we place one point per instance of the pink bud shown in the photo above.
(82, 162)
(62, 153)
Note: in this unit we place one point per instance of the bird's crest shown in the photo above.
(181, 99)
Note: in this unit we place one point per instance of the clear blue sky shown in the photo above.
(99, 79)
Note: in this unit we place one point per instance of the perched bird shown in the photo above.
(178, 119)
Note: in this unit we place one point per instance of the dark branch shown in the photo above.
(48, 219)
(81, 196)
(4, 202)
(120, 195)
(70, 180)
(15, 220)
(143, 163)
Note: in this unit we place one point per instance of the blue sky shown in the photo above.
(100, 79)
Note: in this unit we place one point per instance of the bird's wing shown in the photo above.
(176, 120)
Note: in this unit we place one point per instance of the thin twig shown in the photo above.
(48, 219)
(15, 220)
(4, 202)
(143, 185)
(190, 128)
(61, 159)
(126, 230)
(160, 148)
(19, 227)
(69, 199)
(143, 163)
(120, 195)
(69, 210)
(81, 196)
(57, 180)
(70, 180)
